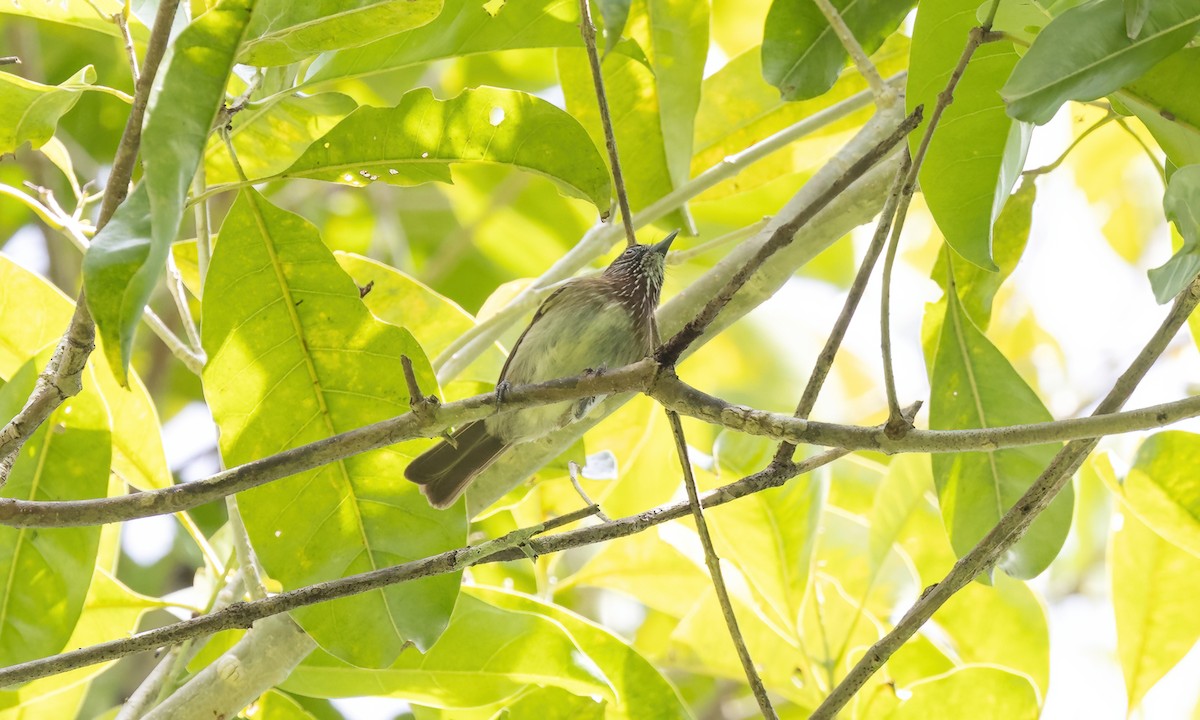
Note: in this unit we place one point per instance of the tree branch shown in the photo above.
(667, 389)
(714, 571)
(1017, 520)
(866, 68)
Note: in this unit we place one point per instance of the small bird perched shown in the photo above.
(590, 323)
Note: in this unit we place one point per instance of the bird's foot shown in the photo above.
(502, 389)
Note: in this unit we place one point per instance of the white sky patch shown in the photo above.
(148, 540)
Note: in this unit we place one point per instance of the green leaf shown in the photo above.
(1154, 590)
(977, 287)
(33, 314)
(486, 655)
(464, 27)
(801, 54)
(269, 136)
(674, 36)
(974, 386)
(46, 571)
(633, 103)
(1085, 53)
(30, 111)
(1167, 101)
(644, 567)
(87, 14)
(1003, 625)
(738, 108)
(974, 691)
(1136, 12)
(1161, 490)
(771, 537)
(641, 690)
(1181, 202)
(129, 254)
(294, 357)
(275, 705)
(418, 140)
(977, 151)
(615, 14)
(283, 31)
(434, 320)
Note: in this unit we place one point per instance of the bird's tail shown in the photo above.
(445, 470)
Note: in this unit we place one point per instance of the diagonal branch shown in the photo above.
(1017, 520)
(62, 377)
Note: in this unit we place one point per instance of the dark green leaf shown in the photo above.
(294, 357)
(284, 31)
(47, 571)
(464, 27)
(418, 140)
(1167, 101)
(1085, 53)
(29, 111)
(974, 386)
(615, 14)
(1136, 12)
(1181, 202)
(977, 152)
(128, 256)
(801, 54)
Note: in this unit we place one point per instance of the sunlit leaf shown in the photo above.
(1160, 490)
(1154, 590)
(418, 140)
(974, 386)
(30, 111)
(1085, 53)
(977, 152)
(47, 570)
(1182, 206)
(88, 14)
(985, 693)
(269, 136)
(295, 356)
(486, 654)
(283, 32)
(640, 689)
(129, 254)
(274, 705)
(801, 54)
(33, 314)
(464, 27)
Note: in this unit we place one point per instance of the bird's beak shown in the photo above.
(663, 245)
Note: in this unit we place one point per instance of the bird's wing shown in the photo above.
(551, 300)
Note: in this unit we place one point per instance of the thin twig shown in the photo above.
(588, 30)
(573, 473)
(1150, 152)
(820, 371)
(1017, 520)
(252, 573)
(714, 571)
(203, 241)
(597, 240)
(679, 257)
(667, 390)
(896, 426)
(178, 294)
(10, 60)
(1112, 115)
(62, 377)
(122, 24)
(420, 403)
(669, 352)
(866, 68)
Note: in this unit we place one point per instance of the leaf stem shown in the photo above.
(882, 92)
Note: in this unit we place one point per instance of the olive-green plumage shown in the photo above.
(590, 323)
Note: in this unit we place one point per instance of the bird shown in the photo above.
(589, 324)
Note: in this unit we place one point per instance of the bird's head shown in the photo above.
(642, 265)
